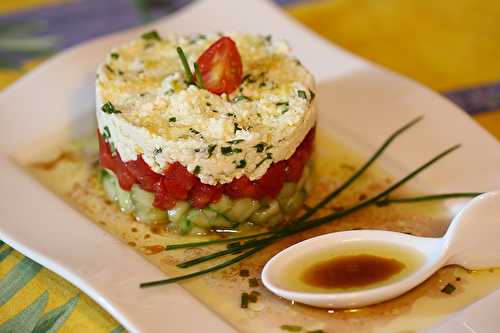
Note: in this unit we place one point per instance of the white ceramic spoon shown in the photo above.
(472, 241)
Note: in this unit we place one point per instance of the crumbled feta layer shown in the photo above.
(221, 137)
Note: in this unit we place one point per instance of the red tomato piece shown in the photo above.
(272, 181)
(146, 177)
(241, 188)
(114, 163)
(221, 67)
(178, 181)
(162, 199)
(203, 194)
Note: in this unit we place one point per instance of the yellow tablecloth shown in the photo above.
(444, 44)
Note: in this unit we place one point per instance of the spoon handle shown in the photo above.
(473, 238)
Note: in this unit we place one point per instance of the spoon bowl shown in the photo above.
(471, 241)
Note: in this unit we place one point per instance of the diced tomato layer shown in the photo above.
(114, 163)
(178, 183)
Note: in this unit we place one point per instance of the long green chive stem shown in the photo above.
(187, 70)
(360, 171)
(199, 78)
(388, 201)
(302, 227)
(314, 223)
(214, 255)
(215, 241)
(204, 271)
(318, 206)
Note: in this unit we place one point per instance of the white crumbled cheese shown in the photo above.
(167, 121)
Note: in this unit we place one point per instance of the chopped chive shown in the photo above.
(260, 147)
(316, 331)
(241, 98)
(282, 103)
(285, 110)
(120, 72)
(245, 77)
(253, 296)
(172, 119)
(199, 78)
(235, 142)
(244, 300)
(241, 164)
(185, 65)
(237, 127)
(448, 289)
(208, 104)
(157, 151)
(291, 328)
(230, 114)
(109, 108)
(115, 55)
(268, 38)
(262, 84)
(268, 157)
(106, 133)
(192, 130)
(151, 35)
(108, 67)
(244, 273)
(253, 282)
(210, 150)
(197, 170)
(301, 94)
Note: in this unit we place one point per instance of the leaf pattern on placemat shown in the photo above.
(31, 319)
(26, 320)
(17, 278)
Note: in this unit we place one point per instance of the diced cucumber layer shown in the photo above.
(115, 192)
(143, 207)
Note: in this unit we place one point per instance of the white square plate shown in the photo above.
(360, 102)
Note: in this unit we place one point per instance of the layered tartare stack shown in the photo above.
(205, 132)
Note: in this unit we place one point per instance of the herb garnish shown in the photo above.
(237, 127)
(301, 94)
(108, 67)
(268, 157)
(241, 98)
(235, 142)
(241, 164)
(192, 130)
(448, 289)
(257, 242)
(172, 119)
(260, 147)
(244, 300)
(109, 108)
(291, 328)
(210, 150)
(195, 79)
(151, 35)
(197, 170)
(254, 296)
(253, 283)
(106, 133)
(115, 55)
(228, 150)
(157, 151)
(199, 78)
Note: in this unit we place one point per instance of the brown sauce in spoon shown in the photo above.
(351, 271)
